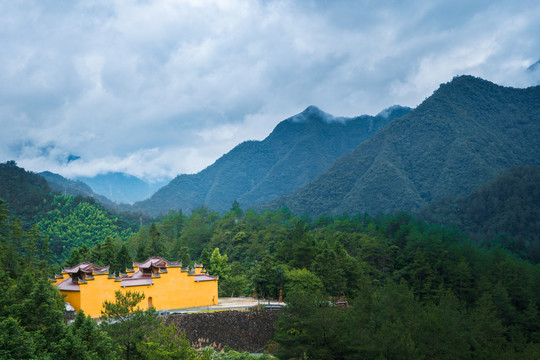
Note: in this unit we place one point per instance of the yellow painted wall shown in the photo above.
(175, 289)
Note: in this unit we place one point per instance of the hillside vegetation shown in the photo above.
(64, 221)
(299, 149)
(462, 136)
(416, 290)
(506, 210)
(26, 192)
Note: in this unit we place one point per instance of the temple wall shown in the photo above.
(172, 290)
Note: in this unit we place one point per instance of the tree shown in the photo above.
(236, 210)
(204, 259)
(96, 342)
(302, 280)
(108, 253)
(155, 247)
(164, 343)
(218, 264)
(312, 328)
(126, 323)
(15, 342)
(41, 312)
(123, 260)
(183, 256)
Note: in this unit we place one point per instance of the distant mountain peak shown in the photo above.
(534, 66)
(464, 134)
(389, 111)
(312, 113)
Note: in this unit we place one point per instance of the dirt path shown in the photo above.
(235, 303)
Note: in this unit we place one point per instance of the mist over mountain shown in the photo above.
(297, 150)
(121, 187)
(64, 186)
(463, 135)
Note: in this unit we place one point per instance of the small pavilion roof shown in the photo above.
(204, 277)
(68, 285)
(157, 262)
(87, 268)
(137, 279)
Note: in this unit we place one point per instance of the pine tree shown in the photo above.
(155, 246)
(123, 260)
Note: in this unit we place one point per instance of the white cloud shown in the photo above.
(166, 87)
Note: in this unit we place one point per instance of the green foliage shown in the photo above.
(164, 343)
(26, 192)
(15, 342)
(255, 172)
(219, 264)
(84, 339)
(123, 260)
(502, 212)
(73, 222)
(126, 323)
(459, 138)
(416, 290)
(32, 309)
(235, 285)
(302, 280)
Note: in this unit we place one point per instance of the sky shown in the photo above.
(160, 88)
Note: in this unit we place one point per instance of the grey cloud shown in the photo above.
(160, 88)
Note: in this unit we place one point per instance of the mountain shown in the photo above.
(64, 186)
(24, 191)
(463, 135)
(508, 204)
(297, 150)
(121, 187)
(67, 221)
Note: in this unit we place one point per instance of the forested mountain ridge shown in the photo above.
(506, 208)
(121, 188)
(23, 190)
(64, 186)
(65, 221)
(463, 135)
(296, 151)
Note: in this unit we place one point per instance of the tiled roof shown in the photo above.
(87, 267)
(68, 285)
(155, 261)
(137, 279)
(204, 277)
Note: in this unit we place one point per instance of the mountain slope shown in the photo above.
(67, 221)
(24, 192)
(508, 204)
(121, 187)
(465, 134)
(64, 186)
(298, 149)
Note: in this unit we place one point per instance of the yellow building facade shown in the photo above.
(165, 284)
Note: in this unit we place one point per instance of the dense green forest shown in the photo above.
(26, 192)
(66, 221)
(459, 138)
(72, 222)
(504, 210)
(32, 315)
(296, 152)
(414, 290)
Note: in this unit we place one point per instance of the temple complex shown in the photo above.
(165, 284)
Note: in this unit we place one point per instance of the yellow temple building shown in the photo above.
(165, 284)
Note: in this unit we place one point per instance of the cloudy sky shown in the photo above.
(159, 88)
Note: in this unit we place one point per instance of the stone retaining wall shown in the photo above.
(241, 330)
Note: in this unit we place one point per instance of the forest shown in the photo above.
(414, 290)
